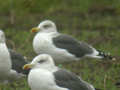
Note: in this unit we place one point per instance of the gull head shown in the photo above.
(2, 37)
(46, 26)
(43, 61)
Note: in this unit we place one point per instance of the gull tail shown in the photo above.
(105, 55)
(101, 55)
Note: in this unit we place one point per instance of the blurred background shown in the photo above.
(96, 22)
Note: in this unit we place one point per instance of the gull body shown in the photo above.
(10, 63)
(5, 61)
(63, 48)
(44, 75)
(42, 43)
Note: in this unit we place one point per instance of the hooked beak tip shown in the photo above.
(27, 66)
(34, 30)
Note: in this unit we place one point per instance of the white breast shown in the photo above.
(42, 42)
(40, 79)
(5, 62)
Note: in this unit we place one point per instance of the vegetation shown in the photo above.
(94, 21)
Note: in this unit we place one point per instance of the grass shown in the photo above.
(102, 74)
(94, 21)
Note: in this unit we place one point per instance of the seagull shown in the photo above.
(63, 48)
(18, 61)
(44, 75)
(11, 63)
(5, 61)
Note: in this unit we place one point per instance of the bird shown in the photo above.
(18, 60)
(45, 75)
(10, 62)
(5, 61)
(62, 47)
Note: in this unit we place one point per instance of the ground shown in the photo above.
(97, 23)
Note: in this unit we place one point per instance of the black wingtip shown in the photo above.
(106, 55)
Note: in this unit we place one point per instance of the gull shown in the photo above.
(62, 47)
(45, 75)
(10, 63)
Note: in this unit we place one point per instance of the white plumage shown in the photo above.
(9, 69)
(63, 48)
(5, 61)
(42, 43)
(41, 79)
(44, 75)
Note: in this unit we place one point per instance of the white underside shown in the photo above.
(43, 44)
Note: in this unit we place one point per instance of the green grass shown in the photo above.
(94, 21)
(102, 74)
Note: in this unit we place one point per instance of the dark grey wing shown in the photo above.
(18, 61)
(69, 80)
(79, 49)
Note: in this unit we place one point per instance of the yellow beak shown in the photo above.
(35, 29)
(27, 66)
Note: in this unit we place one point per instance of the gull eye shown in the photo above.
(41, 61)
(47, 26)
